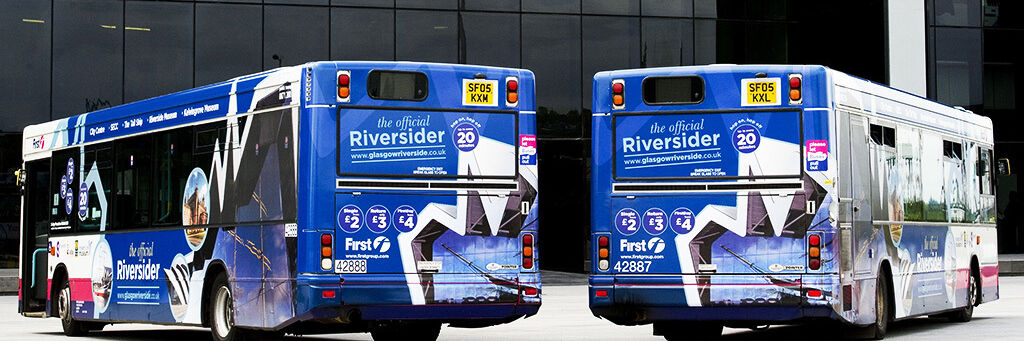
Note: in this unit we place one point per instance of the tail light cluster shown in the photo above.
(602, 253)
(795, 83)
(511, 91)
(326, 251)
(618, 94)
(344, 85)
(528, 251)
(814, 251)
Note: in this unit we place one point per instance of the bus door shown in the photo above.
(855, 195)
(36, 227)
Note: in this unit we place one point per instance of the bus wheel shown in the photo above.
(687, 330)
(222, 311)
(411, 331)
(882, 312)
(966, 313)
(71, 327)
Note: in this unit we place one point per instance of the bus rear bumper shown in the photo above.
(740, 299)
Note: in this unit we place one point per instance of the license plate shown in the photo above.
(761, 91)
(479, 92)
(350, 266)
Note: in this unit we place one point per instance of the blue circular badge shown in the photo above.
(350, 218)
(71, 169)
(746, 138)
(405, 218)
(83, 201)
(627, 221)
(681, 220)
(378, 218)
(69, 200)
(466, 137)
(654, 221)
(64, 187)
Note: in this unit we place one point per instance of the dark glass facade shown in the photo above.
(64, 57)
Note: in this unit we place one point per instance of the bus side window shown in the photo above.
(986, 186)
(133, 173)
(65, 164)
(173, 158)
(884, 169)
(102, 157)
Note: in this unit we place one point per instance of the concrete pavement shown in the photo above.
(565, 316)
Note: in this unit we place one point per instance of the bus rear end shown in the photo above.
(422, 196)
(710, 198)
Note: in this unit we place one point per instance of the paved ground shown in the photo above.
(565, 316)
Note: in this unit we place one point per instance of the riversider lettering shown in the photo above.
(367, 139)
(637, 144)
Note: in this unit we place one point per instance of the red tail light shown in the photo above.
(527, 251)
(813, 293)
(601, 293)
(329, 294)
(603, 253)
(795, 93)
(618, 94)
(326, 251)
(511, 91)
(530, 291)
(344, 85)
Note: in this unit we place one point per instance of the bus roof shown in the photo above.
(193, 105)
(846, 91)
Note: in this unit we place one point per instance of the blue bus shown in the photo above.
(753, 195)
(389, 197)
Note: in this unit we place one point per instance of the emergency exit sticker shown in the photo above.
(761, 91)
(479, 92)
(817, 155)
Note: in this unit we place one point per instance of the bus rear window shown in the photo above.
(673, 90)
(397, 85)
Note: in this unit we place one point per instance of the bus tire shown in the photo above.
(967, 312)
(406, 330)
(68, 322)
(692, 330)
(883, 311)
(222, 311)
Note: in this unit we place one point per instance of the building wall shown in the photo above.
(64, 57)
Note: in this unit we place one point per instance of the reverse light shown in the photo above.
(795, 86)
(344, 85)
(618, 94)
(603, 253)
(511, 91)
(527, 251)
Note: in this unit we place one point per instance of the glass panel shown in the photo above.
(556, 59)
(87, 56)
(908, 146)
(101, 157)
(428, 4)
(667, 8)
(427, 36)
(133, 174)
(491, 5)
(25, 77)
(157, 43)
(295, 35)
(362, 34)
(365, 3)
(741, 9)
(750, 42)
(705, 42)
(229, 43)
(298, 2)
(1003, 13)
(551, 6)
(958, 67)
(173, 153)
(614, 7)
(667, 42)
(957, 12)
(491, 39)
(65, 164)
(609, 43)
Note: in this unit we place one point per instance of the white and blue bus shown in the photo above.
(389, 197)
(752, 195)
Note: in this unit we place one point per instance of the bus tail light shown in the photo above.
(603, 253)
(618, 94)
(530, 291)
(814, 251)
(511, 91)
(795, 85)
(528, 254)
(344, 85)
(326, 251)
(814, 293)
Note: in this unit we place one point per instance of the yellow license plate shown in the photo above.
(761, 91)
(479, 92)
